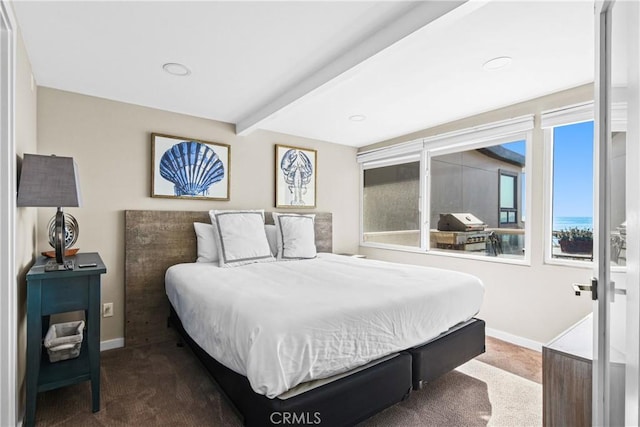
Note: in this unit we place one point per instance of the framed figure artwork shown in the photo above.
(296, 177)
(185, 168)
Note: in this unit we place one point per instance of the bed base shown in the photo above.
(351, 399)
(343, 402)
(447, 352)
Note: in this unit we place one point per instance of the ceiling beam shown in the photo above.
(423, 13)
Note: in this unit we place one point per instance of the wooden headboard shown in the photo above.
(156, 240)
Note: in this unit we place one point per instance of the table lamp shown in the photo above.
(51, 181)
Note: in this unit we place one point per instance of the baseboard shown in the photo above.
(514, 339)
(111, 344)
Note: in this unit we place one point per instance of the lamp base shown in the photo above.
(59, 239)
(52, 265)
(67, 252)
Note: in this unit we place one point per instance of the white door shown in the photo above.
(617, 218)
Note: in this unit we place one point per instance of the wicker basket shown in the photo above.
(63, 340)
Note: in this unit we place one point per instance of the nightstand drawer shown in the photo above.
(64, 294)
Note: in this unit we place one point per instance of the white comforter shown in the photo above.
(284, 323)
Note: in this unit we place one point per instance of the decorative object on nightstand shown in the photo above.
(71, 232)
(52, 181)
(61, 292)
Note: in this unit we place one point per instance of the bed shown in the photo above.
(337, 395)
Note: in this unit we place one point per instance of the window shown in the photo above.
(569, 145)
(508, 210)
(391, 197)
(475, 200)
(459, 193)
(572, 192)
(569, 139)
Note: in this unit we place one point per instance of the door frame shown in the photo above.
(8, 293)
(601, 396)
(632, 376)
(601, 367)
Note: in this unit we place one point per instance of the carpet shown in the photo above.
(475, 394)
(165, 385)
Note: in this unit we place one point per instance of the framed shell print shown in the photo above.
(295, 170)
(186, 168)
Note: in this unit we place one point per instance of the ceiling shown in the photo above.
(304, 67)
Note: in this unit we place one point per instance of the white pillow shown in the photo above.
(296, 236)
(207, 248)
(241, 237)
(270, 229)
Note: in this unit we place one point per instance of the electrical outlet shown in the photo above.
(107, 309)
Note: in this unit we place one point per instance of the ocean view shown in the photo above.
(566, 222)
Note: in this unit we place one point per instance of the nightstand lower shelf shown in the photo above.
(64, 372)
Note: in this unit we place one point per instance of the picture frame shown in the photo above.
(187, 168)
(296, 170)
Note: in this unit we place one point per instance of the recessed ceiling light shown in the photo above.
(176, 69)
(357, 118)
(497, 63)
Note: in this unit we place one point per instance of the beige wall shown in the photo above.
(110, 141)
(534, 302)
(26, 218)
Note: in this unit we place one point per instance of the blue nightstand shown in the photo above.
(59, 292)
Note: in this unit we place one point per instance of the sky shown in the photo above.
(517, 146)
(573, 170)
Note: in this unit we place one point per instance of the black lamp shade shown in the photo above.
(49, 181)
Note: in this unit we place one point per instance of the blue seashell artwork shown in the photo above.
(297, 170)
(192, 167)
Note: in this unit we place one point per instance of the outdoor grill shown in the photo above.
(460, 231)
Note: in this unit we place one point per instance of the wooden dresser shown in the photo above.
(567, 364)
(566, 376)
